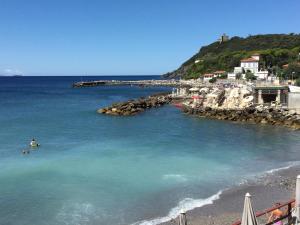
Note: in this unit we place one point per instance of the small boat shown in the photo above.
(294, 88)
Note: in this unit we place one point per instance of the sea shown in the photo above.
(94, 169)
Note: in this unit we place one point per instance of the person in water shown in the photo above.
(33, 143)
(25, 152)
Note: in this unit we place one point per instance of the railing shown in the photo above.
(287, 214)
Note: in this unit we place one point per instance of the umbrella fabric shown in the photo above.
(182, 219)
(248, 217)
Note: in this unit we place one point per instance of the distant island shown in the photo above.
(277, 52)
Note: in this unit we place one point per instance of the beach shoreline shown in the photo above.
(273, 186)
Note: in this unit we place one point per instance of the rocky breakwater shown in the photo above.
(237, 104)
(133, 107)
(258, 115)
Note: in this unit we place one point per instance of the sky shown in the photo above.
(126, 37)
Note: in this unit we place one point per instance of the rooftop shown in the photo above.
(249, 60)
(219, 71)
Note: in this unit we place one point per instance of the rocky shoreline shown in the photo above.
(133, 107)
(231, 103)
(257, 115)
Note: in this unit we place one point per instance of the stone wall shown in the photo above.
(294, 101)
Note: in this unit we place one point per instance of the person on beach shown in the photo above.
(275, 214)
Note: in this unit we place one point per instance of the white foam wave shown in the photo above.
(185, 205)
(292, 164)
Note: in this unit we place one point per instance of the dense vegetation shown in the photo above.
(275, 50)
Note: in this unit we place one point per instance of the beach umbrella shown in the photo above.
(182, 218)
(248, 217)
(297, 203)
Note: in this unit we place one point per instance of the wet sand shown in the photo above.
(271, 188)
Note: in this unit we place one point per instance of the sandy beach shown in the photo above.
(268, 189)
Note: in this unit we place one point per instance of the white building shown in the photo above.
(238, 70)
(250, 64)
(208, 76)
(262, 75)
(231, 76)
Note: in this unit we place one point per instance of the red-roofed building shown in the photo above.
(287, 65)
(219, 73)
(251, 63)
(249, 60)
(208, 76)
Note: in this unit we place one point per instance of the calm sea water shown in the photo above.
(93, 169)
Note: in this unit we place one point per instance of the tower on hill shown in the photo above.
(223, 38)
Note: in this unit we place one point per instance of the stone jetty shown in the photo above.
(133, 107)
(167, 83)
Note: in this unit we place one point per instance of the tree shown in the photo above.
(212, 80)
(223, 76)
(274, 50)
(238, 76)
(292, 71)
(297, 83)
(250, 76)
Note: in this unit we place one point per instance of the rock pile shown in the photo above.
(228, 98)
(259, 115)
(133, 107)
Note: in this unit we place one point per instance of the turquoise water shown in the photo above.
(95, 169)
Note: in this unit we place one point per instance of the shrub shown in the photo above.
(212, 80)
(250, 76)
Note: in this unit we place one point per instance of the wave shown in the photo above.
(280, 168)
(186, 204)
(289, 165)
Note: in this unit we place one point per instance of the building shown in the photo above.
(208, 76)
(219, 73)
(287, 65)
(238, 70)
(231, 76)
(271, 94)
(262, 75)
(223, 38)
(250, 64)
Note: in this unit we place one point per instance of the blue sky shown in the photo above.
(126, 37)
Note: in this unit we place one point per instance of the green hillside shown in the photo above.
(275, 50)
